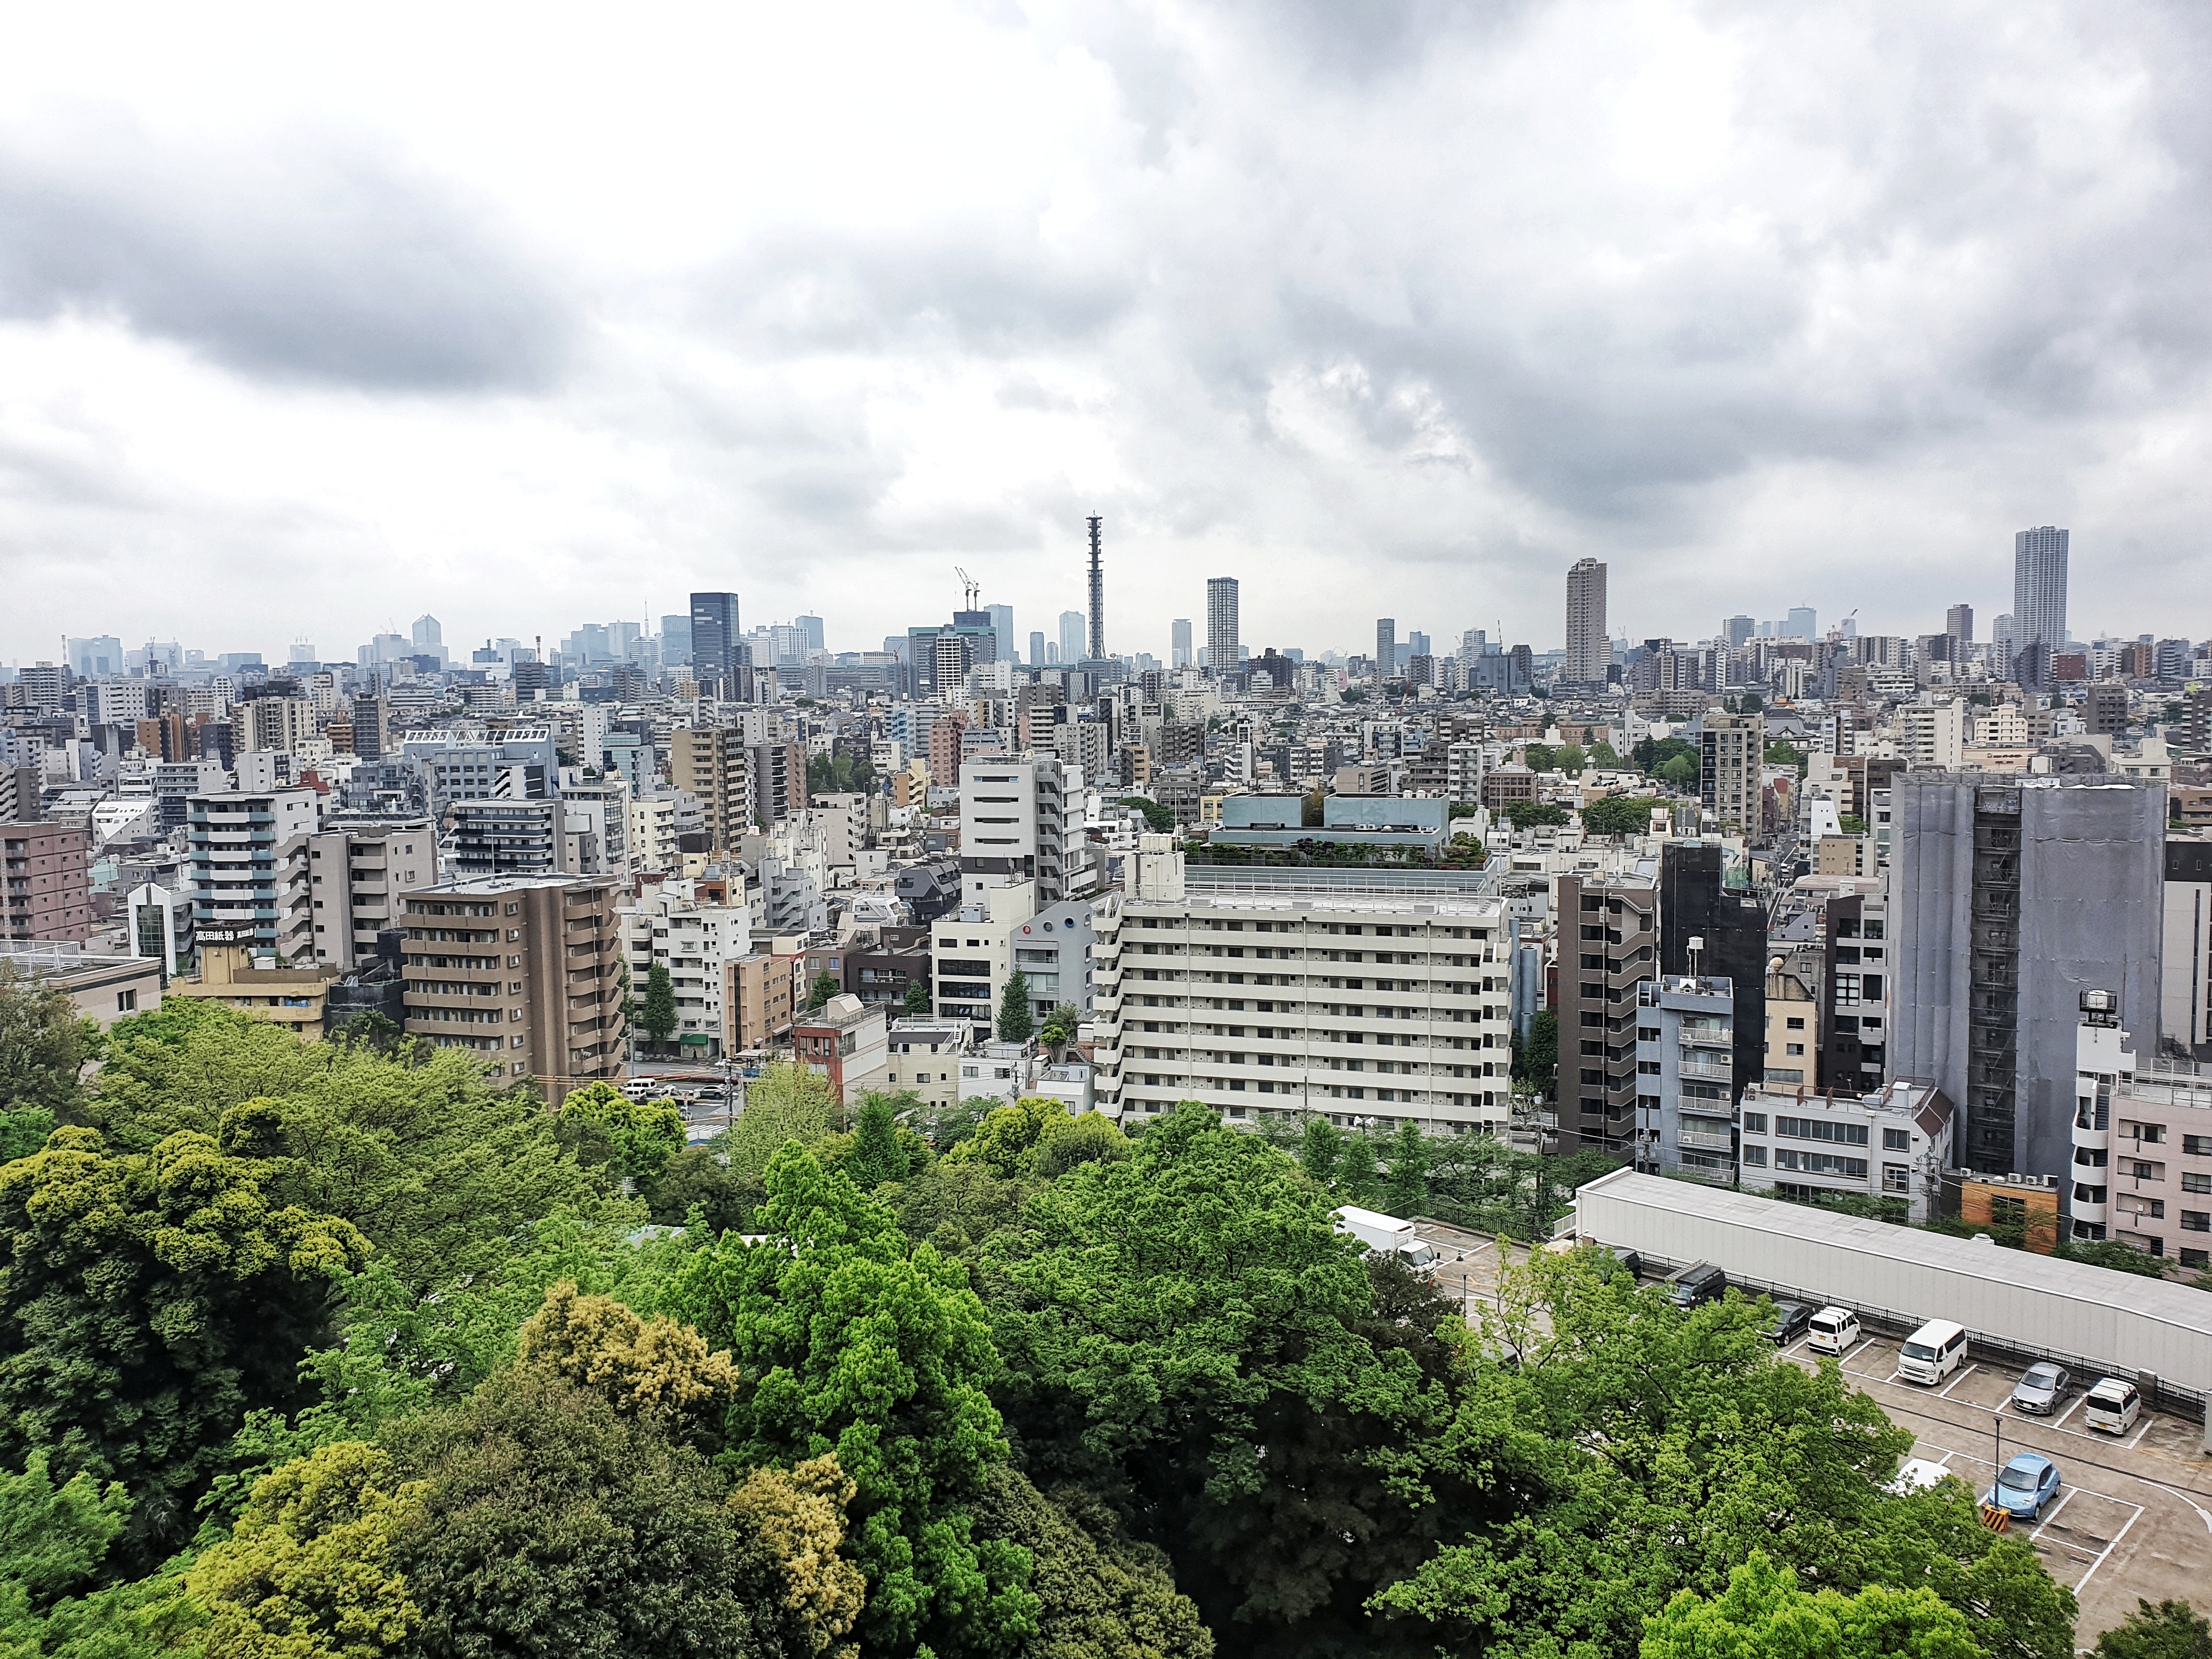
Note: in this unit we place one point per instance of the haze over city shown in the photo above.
(307, 325)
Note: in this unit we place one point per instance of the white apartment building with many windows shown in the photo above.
(694, 942)
(1360, 994)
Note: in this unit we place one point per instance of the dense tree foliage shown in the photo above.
(344, 1349)
(2172, 1629)
(656, 1010)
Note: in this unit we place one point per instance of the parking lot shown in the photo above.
(2134, 1513)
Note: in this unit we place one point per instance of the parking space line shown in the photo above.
(2148, 1420)
(2084, 1583)
(2069, 1411)
(1944, 1393)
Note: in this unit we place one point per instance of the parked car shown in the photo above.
(1833, 1330)
(1786, 1323)
(1917, 1474)
(2026, 1486)
(1932, 1352)
(1692, 1286)
(2112, 1406)
(2041, 1387)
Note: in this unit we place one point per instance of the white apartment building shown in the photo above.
(1931, 735)
(356, 873)
(248, 856)
(1894, 1143)
(694, 942)
(1012, 816)
(1368, 996)
(978, 949)
(652, 832)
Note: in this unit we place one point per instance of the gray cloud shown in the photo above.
(302, 262)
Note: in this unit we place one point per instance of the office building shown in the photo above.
(249, 869)
(1223, 652)
(761, 995)
(525, 971)
(1802, 623)
(1180, 654)
(1386, 647)
(2008, 895)
(2038, 587)
(1857, 981)
(1686, 1042)
(1738, 630)
(718, 658)
(356, 871)
(45, 882)
(1073, 631)
(1012, 828)
(1959, 622)
(1037, 648)
(93, 658)
(1589, 648)
(713, 765)
(1890, 1144)
(1002, 630)
(256, 981)
(1372, 998)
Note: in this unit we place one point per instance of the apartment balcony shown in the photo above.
(1706, 1140)
(2092, 1139)
(1706, 1070)
(1723, 1041)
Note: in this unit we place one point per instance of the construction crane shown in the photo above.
(974, 588)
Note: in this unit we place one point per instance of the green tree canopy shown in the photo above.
(786, 1102)
(1159, 818)
(1534, 814)
(1183, 1336)
(152, 1299)
(818, 993)
(1621, 815)
(1569, 758)
(1017, 1022)
(656, 1014)
(2172, 1629)
(917, 997)
(852, 1342)
(882, 1149)
(1763, 1615)
(643, 1135)
(44, 1043)
(1682, 772)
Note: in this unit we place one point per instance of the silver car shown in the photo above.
(2041, 1387)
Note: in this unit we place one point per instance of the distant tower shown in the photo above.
(2039, 586)
(1223, 653)
(1180, 654)
(1959, 622)
(1590, 650)
(1386, 647)
(1097, 595)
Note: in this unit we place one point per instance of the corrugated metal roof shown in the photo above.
(2178, 1305)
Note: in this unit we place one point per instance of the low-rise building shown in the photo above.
(238, 971)
(761, 994)
(104, 988)
(924, 1058)
(846, 1041)
(1894, 1143)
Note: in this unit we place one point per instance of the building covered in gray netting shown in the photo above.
(2010, 896)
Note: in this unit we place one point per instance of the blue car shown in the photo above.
(2026, 1488)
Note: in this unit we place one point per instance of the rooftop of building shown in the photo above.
(464, 886)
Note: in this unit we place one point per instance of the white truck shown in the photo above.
(1385, 1234)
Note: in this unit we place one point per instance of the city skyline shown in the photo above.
(559, 340)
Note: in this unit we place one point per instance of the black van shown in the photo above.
(1694, 1285)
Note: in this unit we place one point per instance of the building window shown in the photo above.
(2192, 1183)
(2197, 1145)
(126, 1001)
(1754, 1158)
(1897, 1140)
(1754, 1123)
(2197, 1221)
(1896, 1178)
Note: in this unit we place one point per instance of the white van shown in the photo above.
(1833, 1330)
(1932, 1352)
(2112, 1406)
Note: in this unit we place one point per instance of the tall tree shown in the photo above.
(917, 997)
(819, 993)
(1016, 1022)
(2172, 1629)
(1182, 1334)
(151, 1301)
(851, 1342)
(1763, 1615)
(642, 1134)
(786, 1102)
(44, 1044)
(656, 1013)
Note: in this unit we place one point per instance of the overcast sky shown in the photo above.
(311, 320)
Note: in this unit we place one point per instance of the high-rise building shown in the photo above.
(1738, 630)
(1386, 646)
(2008, 896)
(88, 659)
(1180, 654)
(1589, 648)
(1011, 826)
(46, 881)
(1037, 648)
(428, 637)
(1221, 652)
(1803, 623)
(1002, 629)
(1072, 628)
(714, 767)
(524, 970)
(1959, 622)
(2039, 586)
(1731, 751)
(1609, 943)
(248, 855)
(718, 653)
(810, 629)
(1728, 926)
